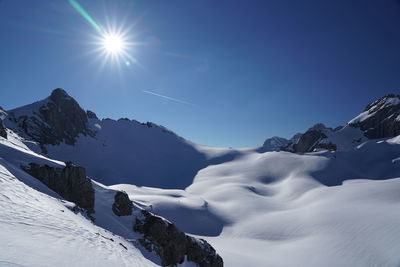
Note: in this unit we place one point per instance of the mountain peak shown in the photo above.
(380, 118)
(56, 119)
(385, 101)
(59, 92)
(59, 95)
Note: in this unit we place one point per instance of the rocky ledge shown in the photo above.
(3, 132)
(69, 182)
(172, 245)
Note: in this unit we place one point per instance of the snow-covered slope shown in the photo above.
(126, 151)
(113, 151)
(38, 229)
(336, 203)
(261, 208)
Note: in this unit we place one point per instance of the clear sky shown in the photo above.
(232, 72)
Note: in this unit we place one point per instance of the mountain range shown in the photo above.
(82, 191)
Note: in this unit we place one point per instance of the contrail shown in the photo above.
(167, 97)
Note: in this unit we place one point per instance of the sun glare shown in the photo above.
(113, 43)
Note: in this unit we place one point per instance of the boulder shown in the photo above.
(172, 245)
(69, 182)
(122, 205)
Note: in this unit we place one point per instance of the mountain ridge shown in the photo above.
(152, 154)
(335, 192)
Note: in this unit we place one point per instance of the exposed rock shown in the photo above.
(91, 115)
(381, 118)
(59, 118)
(172, 245)
(124, 119)
(313, 139)
(69, 182)
(326, 145)
(202, 253)
(274, 144)
(3, 132)
(122, 205)
(308, 141)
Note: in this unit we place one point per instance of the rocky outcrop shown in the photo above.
(69, 182)
(172, 245)
(65, 117)
(273, 144)
(309, 140)
(91, 115)
(3, 132)
(57, 119)
(381, 118)
(314, 138)
(122, 205)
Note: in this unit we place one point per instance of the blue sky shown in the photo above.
(241, 70)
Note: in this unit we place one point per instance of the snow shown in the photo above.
(38, 230)
(126, 151)
(361, 117)
(255, 209)
(345, 139)
(393, 101)
(378, 105)
(271, 205)
(325, 208)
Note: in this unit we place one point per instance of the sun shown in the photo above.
(113, 43)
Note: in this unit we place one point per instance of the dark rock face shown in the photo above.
(308, 141)
(199, 251)
(273, 144)
(312, 139)
(70, 182)
(384, 118)
(59, 119)
(65, 117)
(173, 245)
(122, 205)
(91, 115)
(3, 132)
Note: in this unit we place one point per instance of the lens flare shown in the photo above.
(113, 43)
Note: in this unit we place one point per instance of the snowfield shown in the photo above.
(272, 209)
(256, 207)
(261, 209)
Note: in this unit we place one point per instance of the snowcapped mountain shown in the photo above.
(52, 208)
(380, 119)
(122, 151)
(327, 197)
